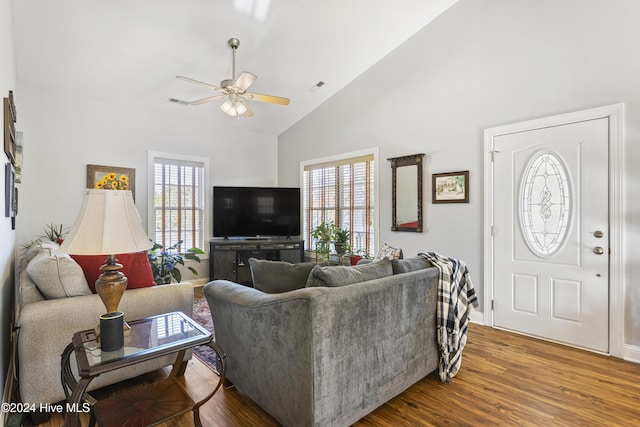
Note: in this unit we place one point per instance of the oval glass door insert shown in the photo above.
(545, 203)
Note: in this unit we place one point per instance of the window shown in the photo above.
(341, 191)
(178, 202)
(545, 203)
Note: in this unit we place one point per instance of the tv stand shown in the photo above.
(229, 259)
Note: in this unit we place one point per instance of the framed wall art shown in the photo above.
(9, 191)
(451, 187)
(19, 154)
(111, 178)
(10, 116)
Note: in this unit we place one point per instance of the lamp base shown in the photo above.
(111, 284)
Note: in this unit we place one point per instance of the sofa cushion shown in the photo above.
(387, 251)
(56, 275)
(135, 267)
(28, 292)
(339, 275)
(274, 277)
(410, 264)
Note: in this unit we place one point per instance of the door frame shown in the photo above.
(615, 114)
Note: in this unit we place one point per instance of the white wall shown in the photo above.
(483, 63)
(7, 236)
(63, 133)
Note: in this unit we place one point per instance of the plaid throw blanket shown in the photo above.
(456, 299)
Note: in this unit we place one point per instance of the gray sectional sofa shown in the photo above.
(333, 350)
(46, 326)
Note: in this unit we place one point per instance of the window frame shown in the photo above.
(339, 159)
(151, 161)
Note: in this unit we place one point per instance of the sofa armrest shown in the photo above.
(268, 340)
(46, 327)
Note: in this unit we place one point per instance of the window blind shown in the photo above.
(178, 202)
(342, 192)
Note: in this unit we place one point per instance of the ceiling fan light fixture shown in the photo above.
(234, 108)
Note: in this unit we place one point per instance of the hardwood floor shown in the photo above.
(506, 379)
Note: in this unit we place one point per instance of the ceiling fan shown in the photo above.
(234, 91)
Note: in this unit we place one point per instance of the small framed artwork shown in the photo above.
(18, 163)
(9, 109)
(111, 178)
(452, 187)
(9, 191)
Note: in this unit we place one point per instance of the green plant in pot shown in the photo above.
(164, 262)
(357, 255)
(55, 233)
(322, 235)
(341, 238)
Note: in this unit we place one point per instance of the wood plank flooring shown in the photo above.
(506, 379)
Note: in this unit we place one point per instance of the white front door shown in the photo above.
(551, 233)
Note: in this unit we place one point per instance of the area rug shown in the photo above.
(202, 315)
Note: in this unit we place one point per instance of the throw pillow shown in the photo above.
(135, 266)
(339, 275)
(387, 251)
(38, 246)
(410, 264)
(56, 275)
(274, 277)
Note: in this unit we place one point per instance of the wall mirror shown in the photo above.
(406, 193)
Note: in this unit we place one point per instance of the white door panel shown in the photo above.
(550, 198)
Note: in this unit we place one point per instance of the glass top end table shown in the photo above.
(150, 338)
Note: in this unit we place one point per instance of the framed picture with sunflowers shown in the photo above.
(111, 178)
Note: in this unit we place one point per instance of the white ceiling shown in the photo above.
(129, 51)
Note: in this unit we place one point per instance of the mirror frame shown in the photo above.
(397, 162)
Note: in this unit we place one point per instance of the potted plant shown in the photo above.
(164, 263)
(55, 233)
(322, 235)
(341, 238)
(357, 255)
(354, 258)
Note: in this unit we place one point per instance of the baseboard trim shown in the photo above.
(477, 317)
(632, 353)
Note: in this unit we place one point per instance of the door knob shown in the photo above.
(598, 234)
(598, 250)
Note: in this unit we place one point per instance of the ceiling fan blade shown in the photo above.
(267, 98)
(178, 101)
(248, 113)
(244, 80)
(208, 99)
(187, 79)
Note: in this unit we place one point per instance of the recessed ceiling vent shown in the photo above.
(317, 86)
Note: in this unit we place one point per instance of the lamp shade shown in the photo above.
(108, 223)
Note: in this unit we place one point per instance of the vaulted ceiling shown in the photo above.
(130, 51)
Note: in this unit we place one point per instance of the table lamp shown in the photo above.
(108, 224)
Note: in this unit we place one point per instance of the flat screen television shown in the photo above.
(249, 212)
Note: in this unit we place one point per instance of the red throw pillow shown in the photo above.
(135, 266)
